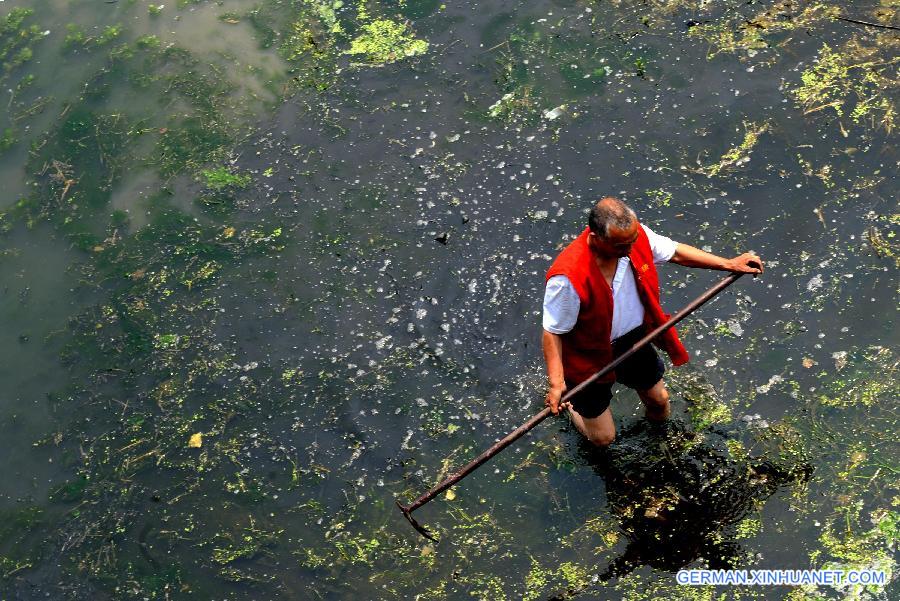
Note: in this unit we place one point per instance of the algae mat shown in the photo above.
(267, 266)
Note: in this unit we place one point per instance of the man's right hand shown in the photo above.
(553, 397)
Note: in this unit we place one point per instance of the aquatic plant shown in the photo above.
(8, 139)
(384, 41)
(704, 404)
(848, 544)
(856, 79)
(15, 40)
(222, 177)
(264, 353)
(763, 30)
(515, 105)
(76, 38)
(861, 376)
(737, 155)
(326, 11)
(882, 240)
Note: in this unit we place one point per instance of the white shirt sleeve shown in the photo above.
(663, 248)
(561, 305)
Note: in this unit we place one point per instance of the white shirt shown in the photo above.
(561, 302)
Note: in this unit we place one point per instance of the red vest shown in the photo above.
(586, 348)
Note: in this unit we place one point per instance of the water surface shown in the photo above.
(329, 266)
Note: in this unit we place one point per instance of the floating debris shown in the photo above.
(237, 224)
(555, 113)
(840, 359)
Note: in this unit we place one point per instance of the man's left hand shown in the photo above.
(745, 263)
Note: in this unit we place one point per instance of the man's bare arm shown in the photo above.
(552, 344)
(694, 257)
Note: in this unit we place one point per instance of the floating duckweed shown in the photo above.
(736, 449)
(854, 547)
(536, 581)
(384, 41)
(854, 78)
(188, 321)
(659, 197)
(574, 575)
(870, 379)
(291, 376)
(748, 528)
(224, 177)
(326, 11)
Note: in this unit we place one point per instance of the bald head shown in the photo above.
(610, 214)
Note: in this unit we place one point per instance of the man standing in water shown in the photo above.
(602, 296)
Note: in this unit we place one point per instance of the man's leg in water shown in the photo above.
(656, 401)
(600, 430)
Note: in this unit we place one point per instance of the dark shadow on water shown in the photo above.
(679, 495)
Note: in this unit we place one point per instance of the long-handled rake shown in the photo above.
(534, 421)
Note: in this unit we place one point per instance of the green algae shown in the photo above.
(77, 39)
(15, 40)
(327, 14)
(748, 528)
(384, 41)
(322, 33)
(8, 139)
(763, 30)
(705, 406)
(164, 300)
(738, 155)
(150, 341)
(567, 577)
(125, 329)
(19, 549)
(861, 377)
(863, 468)
(516, 106)
(222, 177)
(854, 81)
(247, 545)
(847, 544)
(82, 159)
(576, 66)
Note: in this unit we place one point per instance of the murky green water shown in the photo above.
(268, 266)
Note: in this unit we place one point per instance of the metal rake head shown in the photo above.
(407, 513)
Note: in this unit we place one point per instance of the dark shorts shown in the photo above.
(641, 371)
